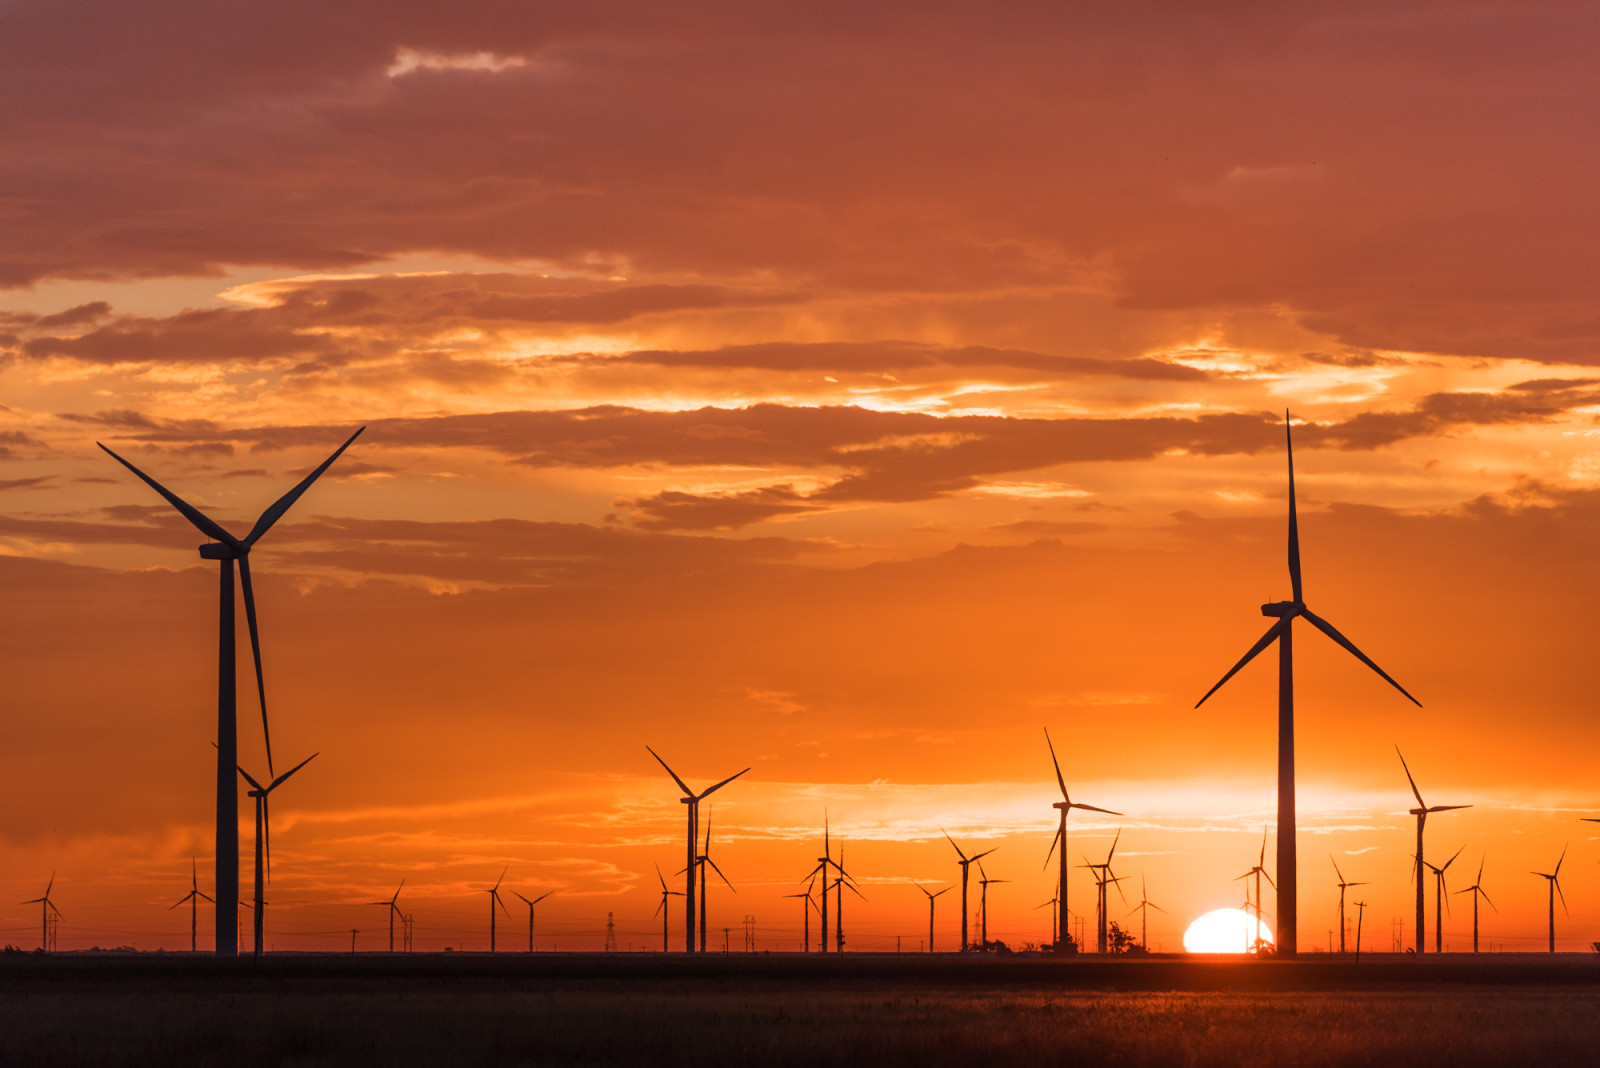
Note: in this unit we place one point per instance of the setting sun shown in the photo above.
(1223, 931)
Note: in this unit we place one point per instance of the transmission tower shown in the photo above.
(406, 923)
(51, 923)
(750, 934)
(611, 934)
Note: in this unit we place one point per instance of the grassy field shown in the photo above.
(576, 1010)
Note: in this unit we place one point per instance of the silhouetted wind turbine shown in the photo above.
(704, 859)
(1421, 812)
(1440, 904)
(264, 839)
(1143, 909)
(192, 897)
(394, 909)
(225, 548)
(965, 863)
(1259, 871)
(1064, 806)
(983, 905)
(46, 906)
(840, 881)
(931, 898)
(1282, 633)
(1104, 879)
(1050, 904)
(693, 800)
(1361, 910)
(495, 899)
(1554, 879)
(1342, 887)
(547, 893)
(805, 917)
(824, 862)
(1475, 890)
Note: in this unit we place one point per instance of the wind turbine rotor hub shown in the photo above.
(216, 550)
(1282, 608)
(1062, 805)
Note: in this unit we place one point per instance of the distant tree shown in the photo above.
(1119, 940)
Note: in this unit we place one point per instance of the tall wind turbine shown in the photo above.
(393, 906)
(805, 913)
(225, 548)
(691, 799)
(495, 899)
(931, 898)
(983, 905)
(264, 841)
(1440, 902)
(192, 897)
(824, 862)
(547, 893)
(1343, 885)
(1143, 909)
(1477, 890)
(1421, 812)
(966, 863)
(703, 860)
(46, 906)
(1064, 806)
(1554, 879)
(1282, 633)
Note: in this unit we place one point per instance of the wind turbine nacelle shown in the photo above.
(1280, 609)
(215, 550)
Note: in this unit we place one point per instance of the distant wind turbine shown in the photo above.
(547, 893)
(1143, 909)
(1342, 887)
(46, 907)
(495, 899)
(192, 897)
(983, 904)
(824, 862)
(691, 799)
(1477, 890)
(1361, 909)
(1064, 806)
(805, 913)
(966, 863)
(840, 882)
(1421, 812)
(1282, 633)
(1260, 872)
(225, 548)
(1104, 878)
(264, 841)
(703, 860)
(1440, 901)
(393, 907)
(1554, 879)
(1051, 905)
(931, 898)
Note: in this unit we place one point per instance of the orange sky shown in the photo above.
(844, 393)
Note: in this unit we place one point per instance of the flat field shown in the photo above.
(624, 1009)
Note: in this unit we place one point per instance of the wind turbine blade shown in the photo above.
(946, 890)
(1557, 872)
(51, 885)
(255, 651)
(1414, 791)
(985, 853)
(1294, 521)
(1113, 851)
(283, 504)
(1052, 851)
(519, 894)
(1059, 780)
(659, 907)
(1485, 894)
(1337, 872)
(281, 779)
(952, 842)
(207, 896)
(1553, 882)
(547, 893)
(502, 878)
(718, 870)
(1153, 905)
(720, 785)
(57, 911)
(659, 878)
(248, 778)
(184, 900)
(1268, 878)
(681, 784)
(1266, 639)
(201, 521)
(1453, 857)
(1327, 628)
(852, 888)
(1092, 808)
(1447, 808)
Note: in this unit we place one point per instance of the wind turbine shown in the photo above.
(46, 906)
(1282, 633)
(1361, 910)
(983, 905)
(547, 893)
(703, 860)
(661, 910)
(693, 800)
(1143, 909)
(1554, 879)
(264, 839)
(965, 862)
(805, 938)
(1439, 901)
(931, 897)
(194, 905)
(394, 909)
(225, 548)
(495, 899)
(1104, 879)
(1476, 890)
(1260, 871)
(1421, 812)
(840, 881)
(824, 862)
(1342, 887)
(1064, 806)
(1051, 904)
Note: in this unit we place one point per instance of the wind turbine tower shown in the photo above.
(1421, 812)
(394, 910)
(1143, 909)
(46, 906)
(495, 899)
(192, 897)
(1343, 885)
(547, 893)
(983, 905)
(931, 898)
(1064, 806)
(264, 842)
(692, 800)
(1477, 890)
(1281, 632)
(1554, 880)
(226, 549)
(1440, 902)
(966, 863)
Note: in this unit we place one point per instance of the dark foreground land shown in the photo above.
(623, 1009)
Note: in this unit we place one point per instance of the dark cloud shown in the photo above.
(37, 482)
(675, 510)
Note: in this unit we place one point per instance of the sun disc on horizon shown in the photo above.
(1224, 931)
